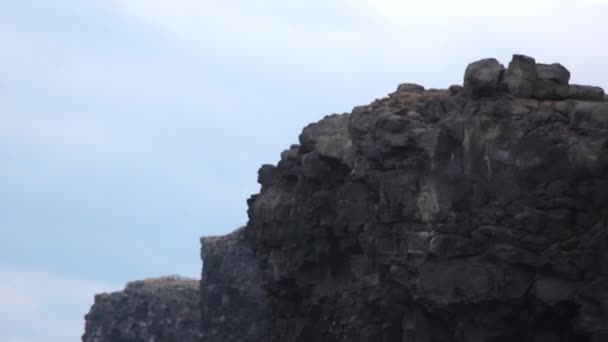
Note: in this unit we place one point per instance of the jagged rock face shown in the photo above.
(152, 310)
(233, 305)
(476, 214)
(228, 306)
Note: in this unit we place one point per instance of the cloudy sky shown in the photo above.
(130, 128)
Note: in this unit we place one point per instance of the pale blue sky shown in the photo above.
(130, 128)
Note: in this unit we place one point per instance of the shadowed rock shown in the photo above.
(482, 77)
(524, 78)
(233, 305)
(473, 215)
(520, 77)
(410, 88)
(555, 73)
(585, 93)
(155, 309)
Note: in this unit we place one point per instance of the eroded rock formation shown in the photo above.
(472, 214)
(152, 310)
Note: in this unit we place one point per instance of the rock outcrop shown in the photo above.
(233, 305)
(477, 214)
(152, 310)
(230, 301)
(473, 214)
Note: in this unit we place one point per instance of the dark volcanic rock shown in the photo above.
(474, 214)
(586, 93)
(410, 87)
(230, 305)
(443, 216)
(520, 77)
(555, 72)
(551, 82)
(524, 78)
(233, 305)
(161, 309)
(482, 77)
(455, 89)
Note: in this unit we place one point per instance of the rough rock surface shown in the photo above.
(152, 310)
(233, 306)
(477, 214)
(521, 76)
(230, 301)
(482, 77)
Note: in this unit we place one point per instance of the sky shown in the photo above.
(130, 128)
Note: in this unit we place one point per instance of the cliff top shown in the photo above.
(525, 78)
(153, 285)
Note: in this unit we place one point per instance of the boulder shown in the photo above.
(481, 78)
(585, 93)
(266, 174)
(551, 82)
(329, 137)
(555, 73)
(520, 76)
(455, 89)
(410, 88)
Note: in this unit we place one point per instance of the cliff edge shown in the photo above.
(157, 309)
(233, 304)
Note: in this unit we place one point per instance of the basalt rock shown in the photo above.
(160, 309)
(524, 78)
(233, 305)
(476, 214)
(410, 87)
(520, 77)
(483, 77)
(228, 306)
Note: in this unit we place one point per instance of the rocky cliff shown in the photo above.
(472, 214)
(233, 304)
(230, 301)
(152, 310)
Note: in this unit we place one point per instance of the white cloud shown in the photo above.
(41, 306)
